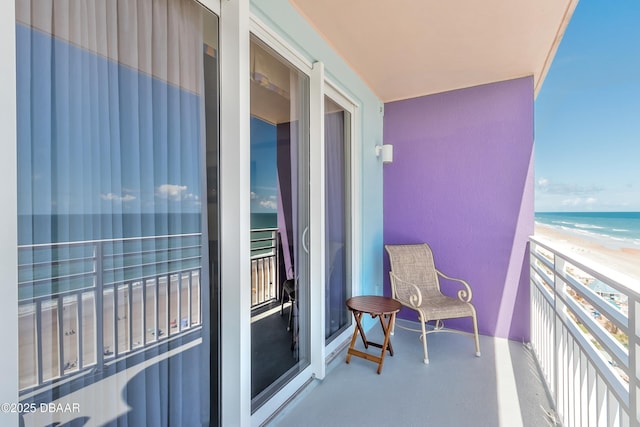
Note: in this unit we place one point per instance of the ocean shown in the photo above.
(611, 229)
(46, 229)
(58, 253)
(46, 268)
(264, 220)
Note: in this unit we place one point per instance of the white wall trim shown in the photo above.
(356, 200)
(235, 220)
(280, 399)
(341, 98)
(317, 218)
(280, 45)
(8, 214)
(212, 5)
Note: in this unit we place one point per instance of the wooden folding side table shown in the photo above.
(376, 306)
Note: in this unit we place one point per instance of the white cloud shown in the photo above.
(579, 201)
(111, 197)
(172, 192)
(269, 204)
(545, 185)
(263, 201)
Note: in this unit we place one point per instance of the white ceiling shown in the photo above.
(408, 48)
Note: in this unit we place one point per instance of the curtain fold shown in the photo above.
(336, 289)
(110, 129)
(287, 136)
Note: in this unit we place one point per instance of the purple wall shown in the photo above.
(462, 181)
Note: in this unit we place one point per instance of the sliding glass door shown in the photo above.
(279, 221)
(338, 248)
(117, 106)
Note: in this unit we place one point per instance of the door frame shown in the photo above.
(338, 96)
(261, 31)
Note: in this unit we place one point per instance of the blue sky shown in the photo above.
(587, 114)
(130, 145)
(264, 175)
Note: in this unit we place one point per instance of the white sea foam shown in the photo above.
(589, 226)
(614, 230)
(593, 234)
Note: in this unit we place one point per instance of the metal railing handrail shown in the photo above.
(264, 266)
(591, 374)
(123, 239)
(618, 281)
(174, 275)
(91, 257)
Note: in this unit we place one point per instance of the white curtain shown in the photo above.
(110, 134)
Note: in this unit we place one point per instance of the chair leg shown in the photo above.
(393, 325)
(290, 314)
(475, 333)
(424, 340)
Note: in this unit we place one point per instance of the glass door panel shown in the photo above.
(279, 221)
(116, 301)
(337, 131)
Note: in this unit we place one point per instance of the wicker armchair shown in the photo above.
(415, 283)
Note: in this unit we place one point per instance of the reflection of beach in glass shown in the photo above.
(58, 331)
(112, 149)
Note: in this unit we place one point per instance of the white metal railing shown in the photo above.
(264, 266)
(585, 332)
(84, 304)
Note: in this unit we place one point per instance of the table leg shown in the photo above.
(361, 329)
(386, 344)
(358, 316)
(387, 332)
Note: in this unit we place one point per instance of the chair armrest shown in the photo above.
(463, 294)
(407, 293)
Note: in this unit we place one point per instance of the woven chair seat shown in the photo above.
(415, 284)
(443, 307)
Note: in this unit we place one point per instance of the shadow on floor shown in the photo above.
(271, 351)
(501, 388)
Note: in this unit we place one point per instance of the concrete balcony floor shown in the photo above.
(503, 387)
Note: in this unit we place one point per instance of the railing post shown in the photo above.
(99, 286)
(80, 343)
(276, 266)
(634, 366)
(39, 349)
(60, 309)
(596, 380)
(277, 263)
(143, 282)
(558, 286)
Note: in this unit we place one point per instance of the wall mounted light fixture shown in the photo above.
(386, 152)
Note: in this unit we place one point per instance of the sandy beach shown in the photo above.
(621, 260)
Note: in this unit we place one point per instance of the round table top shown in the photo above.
(373, 304)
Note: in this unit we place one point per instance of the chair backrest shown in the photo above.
(414, 264)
